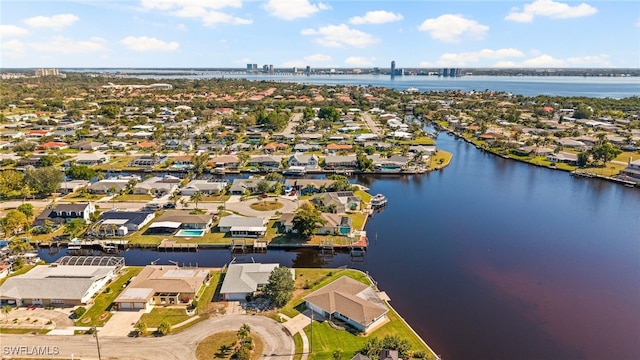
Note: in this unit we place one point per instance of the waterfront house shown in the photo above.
(243, 226)
(244, 280)
(147, 161)
(571, 143)
(350, 301)
(563, 157)
(310, 162)
(632, 171)
(264, 162)
(339, 201)
(338, 162)
(62, 213)
(186, 220)
(333, 148)
(534, 150)
(394, 163)
(182, 162)
(334, 224)
(157, 186)
(226, 162)
(204, 187)
(120, 223)
(162, 285)
(70, 281)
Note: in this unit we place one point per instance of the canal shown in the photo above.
(495, 259)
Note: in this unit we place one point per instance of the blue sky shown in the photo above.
(343, 34)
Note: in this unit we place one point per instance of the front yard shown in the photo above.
(98, 314)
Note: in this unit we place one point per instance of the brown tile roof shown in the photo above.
(350, 298)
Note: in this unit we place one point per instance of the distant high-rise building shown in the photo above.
(445, 72)
(271, 69)
(265, 68)
(393, 69)
(47, 72)
(255, 67)
(452, 72)
(295, 69)
(249, 67)
(307, 70)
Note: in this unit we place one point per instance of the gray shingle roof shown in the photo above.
(245, 278)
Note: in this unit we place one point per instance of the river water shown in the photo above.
(495, 259)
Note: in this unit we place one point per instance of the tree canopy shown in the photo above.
(280, 287)
(45, 180)
(307, 220)
(80, 172)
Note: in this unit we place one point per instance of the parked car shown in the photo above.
(170, 205)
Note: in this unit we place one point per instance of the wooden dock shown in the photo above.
(173, 245)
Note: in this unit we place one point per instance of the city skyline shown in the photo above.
(300, 33)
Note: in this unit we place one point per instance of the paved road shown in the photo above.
(182, 346)
(295, 120)
(371, 124)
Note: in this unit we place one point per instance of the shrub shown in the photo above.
(164, 328)
(418, 354)
(79, 311)
(107, 290)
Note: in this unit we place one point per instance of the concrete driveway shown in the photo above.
(182, 346)
(121, 323)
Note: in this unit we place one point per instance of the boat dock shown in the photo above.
(173, 245)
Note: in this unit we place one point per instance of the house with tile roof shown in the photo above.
(350, 301)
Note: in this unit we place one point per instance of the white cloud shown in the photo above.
(13, 49)
(59, 44)
(293, 9)
(467, 58)
(550, 8)
(11, 31)
(340, 35)
(317, 58)
(375, 17)
(548, 61)
(311, 60)
(451, 27)
(173, 4)
(602, 60)
(359, 61)
(145, 43)
(56, 21)
(206, 11)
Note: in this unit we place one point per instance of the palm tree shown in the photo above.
(26, 192)
(112, 190)
(196, 197)
(6, 310)
(184, 203)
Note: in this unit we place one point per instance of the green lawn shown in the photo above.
(363, 195)
(159, 314)
(207, 295)
(102, 303)
(441, 159)
(357, 220)
(297, 341)
(325, 340)
(23, 331)
(315, 279)
(133, 197)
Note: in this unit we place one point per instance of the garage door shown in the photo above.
(138, 305)
(125, 306)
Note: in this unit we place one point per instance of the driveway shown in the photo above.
(121, 323)
(181, 346)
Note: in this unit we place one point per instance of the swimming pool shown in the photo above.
(191, 232)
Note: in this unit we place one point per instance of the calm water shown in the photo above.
(613, 87)
(494, 259)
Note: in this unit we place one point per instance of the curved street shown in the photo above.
(181, 346)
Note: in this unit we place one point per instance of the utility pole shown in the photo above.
(95, 335)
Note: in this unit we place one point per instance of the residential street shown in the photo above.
(181, 346)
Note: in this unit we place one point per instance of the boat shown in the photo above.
(379, 200)
(295, 171)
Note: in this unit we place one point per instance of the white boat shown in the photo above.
(379, 200)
